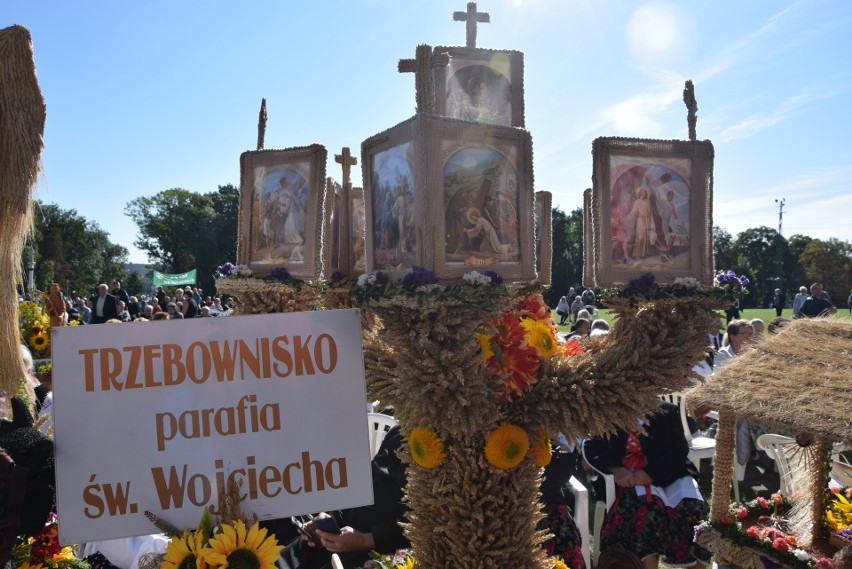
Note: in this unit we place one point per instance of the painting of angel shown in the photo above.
(650, 212)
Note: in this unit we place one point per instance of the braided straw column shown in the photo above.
(22, 116)
(425, 360)
(723, 467)
(465, 512)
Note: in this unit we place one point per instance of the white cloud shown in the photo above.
(788, 108)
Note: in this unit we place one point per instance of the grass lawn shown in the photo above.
(765, 314)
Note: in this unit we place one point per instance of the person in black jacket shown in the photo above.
(658, 503)
(363, 529)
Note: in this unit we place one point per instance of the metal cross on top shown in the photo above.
(471, 17)
(347, 160)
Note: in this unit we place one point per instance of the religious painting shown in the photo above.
(358, 232)
(451, 196)
(543, 222)
(392, 207)
(652, 200)
(481, 85)
(281, 209)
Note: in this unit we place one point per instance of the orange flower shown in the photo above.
(519, 369)
(534, 307)
(541, 449)
(572, 348)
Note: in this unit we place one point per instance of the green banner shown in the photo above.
(166, 279)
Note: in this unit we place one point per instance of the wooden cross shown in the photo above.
(691, 108)
(261, 124)
(422, 65)
(347, 160)
(471, 17)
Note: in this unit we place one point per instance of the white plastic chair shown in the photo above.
(379, 424)
(581, 516)
(783, 451)
(601, 507)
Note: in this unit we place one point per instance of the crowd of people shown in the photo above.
(116, 305)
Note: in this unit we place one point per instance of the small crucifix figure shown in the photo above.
(347, 160)
(422, 65)
(471, 17)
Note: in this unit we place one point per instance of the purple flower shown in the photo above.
(417, 276)
(495, 278)
(730, 278)
(280, 273)
(225, 270)
(381, 277)
(642, 284)
(336, 277)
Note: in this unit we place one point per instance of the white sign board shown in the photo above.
(158, 416)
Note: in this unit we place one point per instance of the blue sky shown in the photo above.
(146, 96)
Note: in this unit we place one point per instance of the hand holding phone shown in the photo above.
(327, 525)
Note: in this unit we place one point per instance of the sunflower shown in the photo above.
(506, 446)
(39, 341)
(427, 449)
(542, 336)
(235, 548)
(559, 564)
(541, 449)
(185, 552)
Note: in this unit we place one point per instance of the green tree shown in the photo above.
(795, 276)
(830, 263)
(567, 253)
(74, 252)
(756, 256)
(133, 284)
(724, 256)
(182, 230)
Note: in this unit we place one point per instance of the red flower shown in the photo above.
(46, 543)
(572, 348)
(781, 544)
(534, 307)
(825, 563)
(741, 512)
(776, 499)
(753, 533)
(726, 520)
(762, 501)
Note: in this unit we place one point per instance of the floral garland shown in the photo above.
(769, 536)
(726, 286)
(277, 274)
(43, 551)
(481, 290)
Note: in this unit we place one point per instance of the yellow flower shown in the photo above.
(427, 449)
(233, 547)
(559, 564)
(506, 446)
(485, 345)
(541, 336)
(26, 565)
(185, 552)
(40, 341)
(541, 449)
